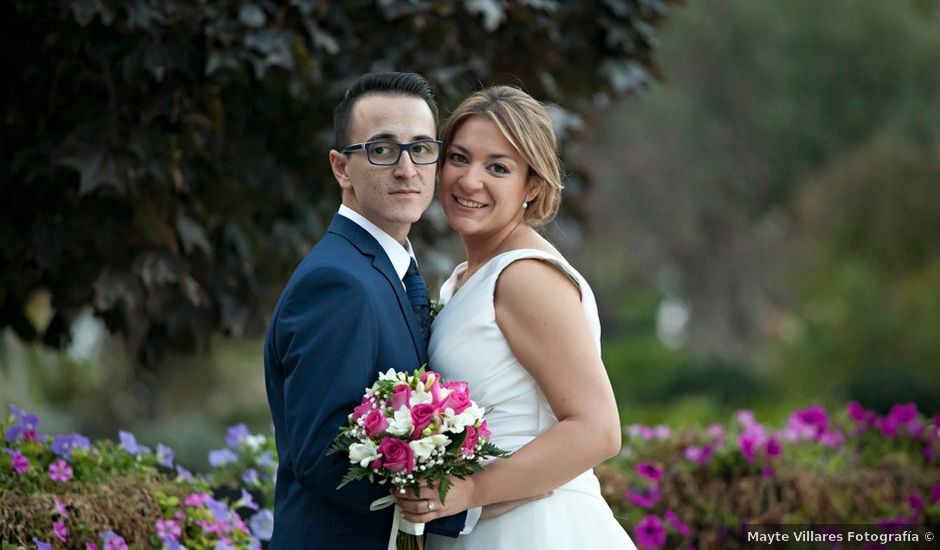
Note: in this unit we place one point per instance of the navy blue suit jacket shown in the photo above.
(342, 318)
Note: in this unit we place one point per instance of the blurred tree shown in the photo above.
(165, 162)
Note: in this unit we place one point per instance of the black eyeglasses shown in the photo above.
(387, 153)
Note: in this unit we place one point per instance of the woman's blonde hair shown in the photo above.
(525, 123)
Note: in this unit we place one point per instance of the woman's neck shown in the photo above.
(483, 248)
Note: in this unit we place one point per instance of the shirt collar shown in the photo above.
(399, 255)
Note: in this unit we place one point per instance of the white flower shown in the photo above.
(451, 422)
(420, 396)
(425, 447)
(363, 453)
(401, 424)
(254, 442)
(390, 374)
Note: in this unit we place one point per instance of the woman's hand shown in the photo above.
(427, 505)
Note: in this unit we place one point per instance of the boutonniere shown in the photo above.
(436, 307)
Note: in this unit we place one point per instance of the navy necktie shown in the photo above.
(418, 296)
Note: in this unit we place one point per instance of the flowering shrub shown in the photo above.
(700, 488)
(66, 491)
(688, 489)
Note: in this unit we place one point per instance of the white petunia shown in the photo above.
(254, 442)
(401, 424)
(362, 453)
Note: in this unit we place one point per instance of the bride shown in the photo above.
(521, 326)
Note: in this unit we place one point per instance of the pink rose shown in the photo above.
(470, 442)
(421, 416)
(457, 385)
(457, 400)
(396, 455)
(375, 423)
(362, 409)
(484, 430)
(401, 397)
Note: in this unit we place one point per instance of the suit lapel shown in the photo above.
(368, 246)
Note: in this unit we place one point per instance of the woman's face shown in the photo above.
(483, 180)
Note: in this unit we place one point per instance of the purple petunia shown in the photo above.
(112, 541)
(649, 470)
(60, 471)
(40, 545)
(246, 501)
(129, 443)
(644, 499)
(262, 524)
(168, 529)
(250, 477)
(165, 455)
(20, 462)
(25, 425)
(222, 457)
(773, 448)
(699, 455)
(650, 532)
(59, 508)
(63, 445)
(935, 494)
(680, 527)
(219, 509)
(235, 435)
(61, 531)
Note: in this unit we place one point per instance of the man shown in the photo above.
(355, 306)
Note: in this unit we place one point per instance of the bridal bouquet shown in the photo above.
(414, 427)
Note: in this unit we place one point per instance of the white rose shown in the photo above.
(363, 453)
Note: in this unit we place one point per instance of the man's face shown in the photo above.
(392, 197)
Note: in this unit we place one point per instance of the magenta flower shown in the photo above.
(716, 432)
(773, 448)
(650, 532)
(61, 531)
(917, 503)
(767, 471)
(20, 462)
(59, 508)
(60, 471)
(887, 426)
(649, 470)
(680, 527)
(644, 499)
(196, 499)
(831, 438)
(748, 445)
(857, 412)
(935, 494)
(91, 545)
(906, 415)
(167, 528)
(745, 417)
(699, 455)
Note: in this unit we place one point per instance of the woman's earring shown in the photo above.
(525, 205)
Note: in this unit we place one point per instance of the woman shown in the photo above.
(521, 326)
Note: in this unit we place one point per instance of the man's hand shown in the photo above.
(500, 508)
(427, 505)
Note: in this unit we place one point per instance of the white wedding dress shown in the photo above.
(466, 344)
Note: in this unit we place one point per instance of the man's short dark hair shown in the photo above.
(406, 84)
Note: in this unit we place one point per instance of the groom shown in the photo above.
(355, 306)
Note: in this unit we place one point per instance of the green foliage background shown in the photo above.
(165, 164)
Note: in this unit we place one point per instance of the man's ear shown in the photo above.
(339, 163)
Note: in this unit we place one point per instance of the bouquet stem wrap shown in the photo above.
(398, 523)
